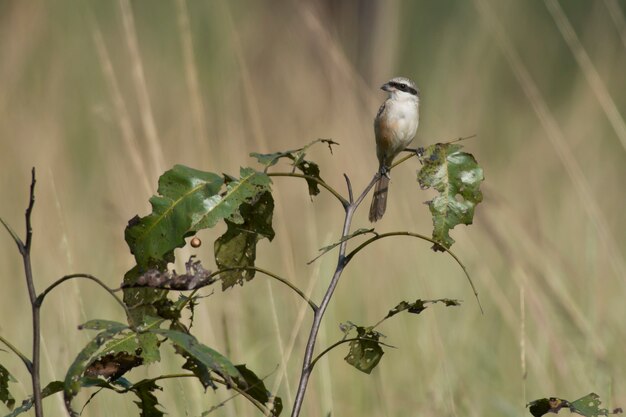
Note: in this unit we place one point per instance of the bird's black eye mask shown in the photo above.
(404, 87)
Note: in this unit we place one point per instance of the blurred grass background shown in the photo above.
(102, 97)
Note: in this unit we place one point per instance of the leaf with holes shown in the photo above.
(237, 247)
(418, 306)
(113, 365)
(255, 387)
(204, 358)
(296, 156)
(27, 404)
(365, 352)
(72, 383)
(546, 405)
(457, 177)
(588, 406)
(148, 402)
(5, 394)
(246, 189)
(143, 343)
(186, 197)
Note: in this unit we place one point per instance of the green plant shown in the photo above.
(191, 200)
(588, 406)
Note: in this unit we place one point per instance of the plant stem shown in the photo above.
(61, 280)
(340, 342)
(350, 208)
(221, 271)
(27, 362)
(271, 275)
(322, 183)
(32, 294)
(426, 238)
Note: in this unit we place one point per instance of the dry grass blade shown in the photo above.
(556, 137)
(141, 89)
(121, 110)
(618, 18)
(191, 73)
(588, 69)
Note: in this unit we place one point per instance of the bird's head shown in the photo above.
(401, 88)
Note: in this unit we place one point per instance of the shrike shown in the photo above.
(395, 126)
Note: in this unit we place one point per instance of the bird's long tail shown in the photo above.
(379, 202)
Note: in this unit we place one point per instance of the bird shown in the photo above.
(395, 126)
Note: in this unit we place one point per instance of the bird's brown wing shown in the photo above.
(384, 130)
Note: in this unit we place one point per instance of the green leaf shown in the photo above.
(187, 197)
(99, 324)
(189, 200)
(27, 404)
(72, 383)
(297, 161)
(198, 368)
(365, 352)
(269, 159)
(588, 406)
(208, 358)
(457, 177)
(142, 302)
(246, 189)
(149, 345)
(546, 405)
(256, 388)
(147, 400)
(418, 306)
(130, 342)
(142, 341)
(5, 395)
(312, 170)
(237, 247)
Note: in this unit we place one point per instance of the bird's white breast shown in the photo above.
(403, 115)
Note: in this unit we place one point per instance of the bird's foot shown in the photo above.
(419, 152)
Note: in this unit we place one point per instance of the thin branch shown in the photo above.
(266, 411)
(334, 345)
(319, 181)
(61, 280)
(29, 211)
(32, 294)
(208, 281)
(16, 238)
(404, 158)
(416, 151)
(424, 302)
(305, 374)
(349, 184)
(27, 362)
(461, 139)
(426, 238)
(332, 246)
(272, 275)
(367, 190)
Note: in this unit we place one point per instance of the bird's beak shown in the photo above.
(387, 87)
